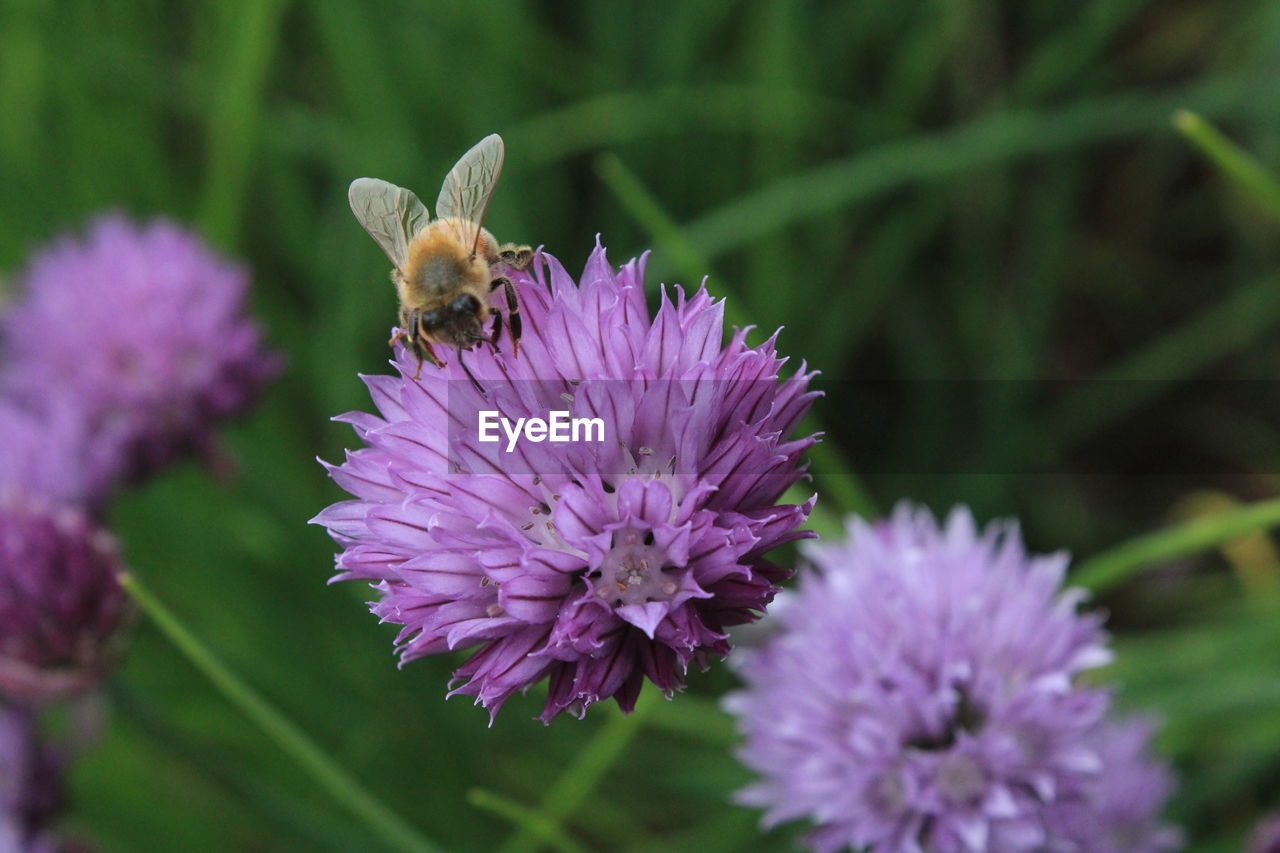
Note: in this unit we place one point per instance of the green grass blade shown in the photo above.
(252, 30)
(397, 834)
(304, 820)
(613, 118)
(1114, 567)
(984, 142)
(586, 771)
(533, 822)
(1240, 167)
(677, 250)
(1229, 326)
(24, 58)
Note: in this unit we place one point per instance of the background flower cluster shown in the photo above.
(1028, 291)
(122, 350)
(924, 691)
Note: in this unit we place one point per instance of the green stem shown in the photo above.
(584, 773)
(1240, 167)
(667, 238)
(995, 140)
(1111, 568)
(1238, 320)
(385, 823)
(249, 35)
(548, 831)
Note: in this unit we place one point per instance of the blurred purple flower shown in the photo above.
(142, 329)
(50, 454)
(1121, 813)
(62, 610)
(591, 565)
(31, 784)
(921, 694)
(1266, 835)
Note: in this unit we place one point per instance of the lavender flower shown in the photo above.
(52, 455)
(15, 740)
(1266, 835)
(593, 565)
(921, 694)
(142, 329)
(31, 784)
(1122, 809)
(61, 608)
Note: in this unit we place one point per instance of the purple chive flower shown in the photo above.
(51, 454)
(142, 328)
(31, 784)
(592, 565)
(1266, 835)
(15, 740)
(1121, 813)
(921, 694)
(62, 610)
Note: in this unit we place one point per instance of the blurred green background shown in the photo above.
(934, 191)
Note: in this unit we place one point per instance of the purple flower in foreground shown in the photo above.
(142, 329)
(61, 608)
(920, 694)
(592, 565)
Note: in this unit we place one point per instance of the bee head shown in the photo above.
(456, 324)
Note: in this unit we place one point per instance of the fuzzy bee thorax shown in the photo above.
(437, 262)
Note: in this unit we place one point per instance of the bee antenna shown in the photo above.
(467, 370)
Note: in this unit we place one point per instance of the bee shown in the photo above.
(443, 269)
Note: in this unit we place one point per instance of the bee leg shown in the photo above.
(513, 310)
(396, 337)
(427, 350)
(467, 370)
(422, 340)
(417, 371)
(422, 348)
(408, 320)
(516, 257)
(497, 331)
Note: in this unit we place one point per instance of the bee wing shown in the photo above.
(391, 215)
(468, 186)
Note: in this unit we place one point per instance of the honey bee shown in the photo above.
(444, 268)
